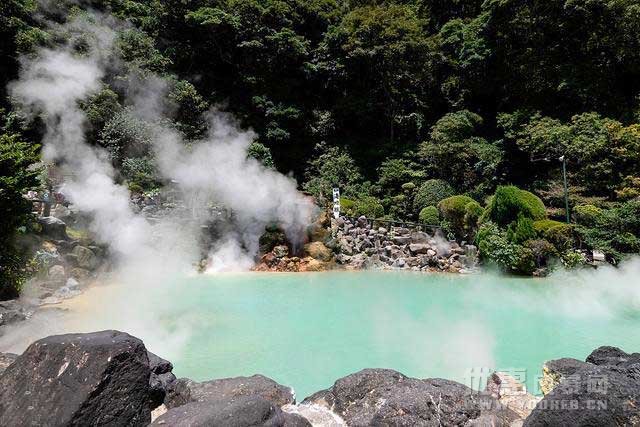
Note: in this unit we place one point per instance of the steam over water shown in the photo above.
(307, 330)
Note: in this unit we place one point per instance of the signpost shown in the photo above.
(336, 203)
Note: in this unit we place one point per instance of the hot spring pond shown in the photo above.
(307, 330)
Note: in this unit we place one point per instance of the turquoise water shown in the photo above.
(307, 330)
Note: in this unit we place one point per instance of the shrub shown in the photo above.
(509, 201)
(430, 193)
(561, 236)
(261, 153)
(543, 251)
(573, 259)
(543, 225)
(472, 213)
(587, 214)
(368, 206)
(139, 171)
(453, 210)
(495, 248)
(521, 230)
(429, 216)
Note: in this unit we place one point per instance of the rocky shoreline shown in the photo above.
(110, 378)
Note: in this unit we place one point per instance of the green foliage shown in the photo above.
(453, 210)
(521, 230)
(561, 236)
(429, 216)
(543, 252)
(431, 192)
(17, 176)
(573, 259)
(586, 214)
(616, 231)
(262, 154)
(395, 174)
(125, 135)
(140, 171)
(457, 154)
(189, 108)
(138, 49)
(368, 206)
(333, 167)
(509, 202)
(496, 248)
(543, 225)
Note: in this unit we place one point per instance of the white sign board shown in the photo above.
(336, 203)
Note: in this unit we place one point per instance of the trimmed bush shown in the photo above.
(496, 249)
(509, 201)
(429, 216)
(472, 213)
(561, 236)
(543, 225)
(367, 206)
(453, 210)
(431, 192)
(521, 230)
(587, 214)
(543, 251)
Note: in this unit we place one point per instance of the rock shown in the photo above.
(61, 212)
(554, 370)
(72, 284)
(419, 248)
(345, 247)
(161, 379)
(382, 230)
(511, 394)
(419, 237)
(6, 359)
(186, 390)
(80, 274)
(85, 257)
(11, 312)
(101, 378)
(53, 227)
(319, 251)
(386, 397)
(612, 356)
(431, 253)
(343, 259)
(607, 394)
(281, 251)
(401, 240)
(238, 411)
(56, 275)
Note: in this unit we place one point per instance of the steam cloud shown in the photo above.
(214, 170)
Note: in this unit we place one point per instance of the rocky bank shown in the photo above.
(110, 378)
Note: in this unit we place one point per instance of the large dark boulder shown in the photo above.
(238, 411)
(603, 394)
(53, 227)
(161, 379)
(6, 359)
(185, 390)
(386, 397)
(100, 378)
(612, 356)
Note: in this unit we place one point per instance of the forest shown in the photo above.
(446, 112)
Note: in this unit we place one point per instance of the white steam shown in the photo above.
(214, 171)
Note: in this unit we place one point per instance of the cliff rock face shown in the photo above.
(605, 391)
(386, 397)
(100, 378)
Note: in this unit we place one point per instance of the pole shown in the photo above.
(563, 159)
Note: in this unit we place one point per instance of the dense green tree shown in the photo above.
(17, 176)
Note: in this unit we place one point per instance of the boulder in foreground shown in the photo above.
(238, 411)
(605, 391)
(100, 378)
(386, 397)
